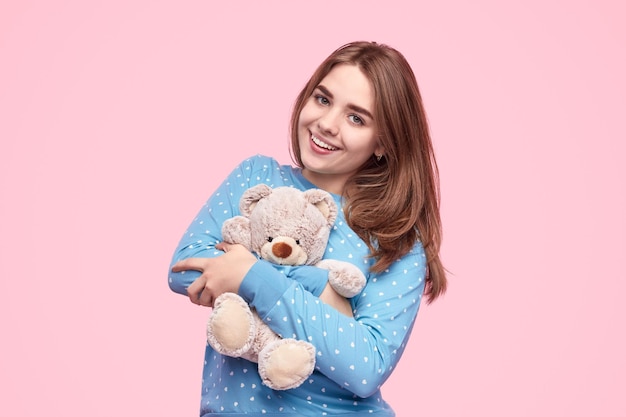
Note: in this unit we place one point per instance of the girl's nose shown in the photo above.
(329, 123)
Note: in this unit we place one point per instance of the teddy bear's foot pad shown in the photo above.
(231, 328)
(286, 363)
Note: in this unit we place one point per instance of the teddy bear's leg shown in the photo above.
(286, 363)
(231, 328)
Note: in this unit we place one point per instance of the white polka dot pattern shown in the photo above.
(354, 355)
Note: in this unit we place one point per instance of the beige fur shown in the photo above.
(298, 223)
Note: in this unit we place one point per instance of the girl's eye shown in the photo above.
(322, 100)
(356, 119)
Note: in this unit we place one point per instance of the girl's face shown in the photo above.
(336, 130)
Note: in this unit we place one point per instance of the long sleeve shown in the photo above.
(357, 353)
(204, 232)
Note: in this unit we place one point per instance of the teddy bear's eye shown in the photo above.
(269, 239)
(297, 241)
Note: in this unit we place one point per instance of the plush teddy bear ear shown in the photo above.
(324, 203)
(251, 197)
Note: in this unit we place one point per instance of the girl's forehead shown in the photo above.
(346, 82)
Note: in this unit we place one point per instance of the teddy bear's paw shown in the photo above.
(346, 279)
(237, 230)
(286, 363)
(231, 328)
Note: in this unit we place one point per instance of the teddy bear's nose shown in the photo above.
(281, 250)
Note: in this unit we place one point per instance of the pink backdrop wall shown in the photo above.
(118, 118)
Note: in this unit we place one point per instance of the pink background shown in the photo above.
(118, 119)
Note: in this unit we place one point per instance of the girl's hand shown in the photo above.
(219, 275)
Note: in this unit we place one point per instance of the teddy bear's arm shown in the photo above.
(237, 230)
(344, 277)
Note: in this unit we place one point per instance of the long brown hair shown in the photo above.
(394, 202)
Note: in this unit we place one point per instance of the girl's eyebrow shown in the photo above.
(354, 107)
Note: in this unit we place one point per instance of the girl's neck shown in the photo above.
(330, 183)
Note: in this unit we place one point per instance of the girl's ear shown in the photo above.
(379, 152)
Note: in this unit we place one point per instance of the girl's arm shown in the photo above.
(357, 353)
(198, 251)
(203, 234)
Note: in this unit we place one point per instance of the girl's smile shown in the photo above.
(336, 128)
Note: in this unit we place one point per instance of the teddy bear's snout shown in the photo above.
(281, 250)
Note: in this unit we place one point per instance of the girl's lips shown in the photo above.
(321, 144)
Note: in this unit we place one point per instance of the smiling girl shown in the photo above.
(358, 131)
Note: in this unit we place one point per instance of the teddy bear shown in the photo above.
(284, 226)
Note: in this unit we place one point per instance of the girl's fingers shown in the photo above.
(206, 299)
(195, 290)
(223, 246)
(196, 264)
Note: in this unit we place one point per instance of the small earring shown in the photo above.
(379, 157)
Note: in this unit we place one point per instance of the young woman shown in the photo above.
(358, 131)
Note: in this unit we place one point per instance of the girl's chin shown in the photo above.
(315, 160)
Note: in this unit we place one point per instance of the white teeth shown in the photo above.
(322, 144)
